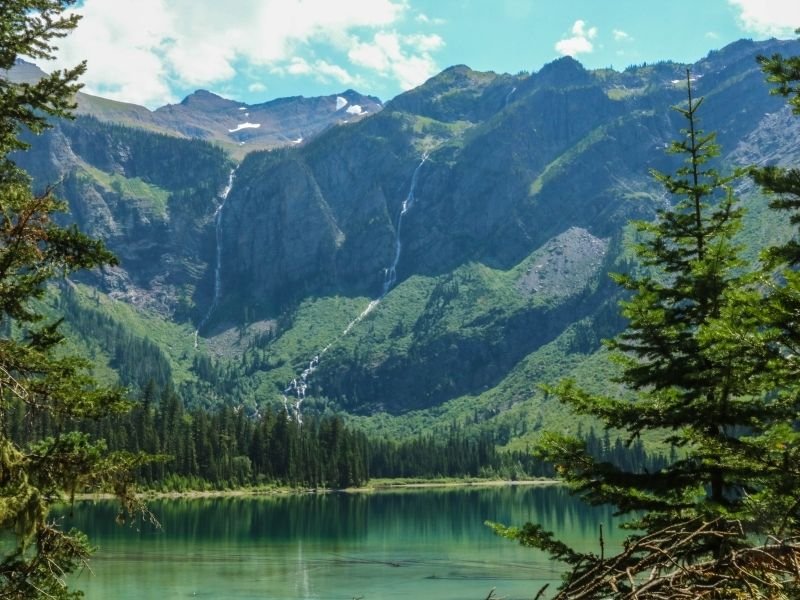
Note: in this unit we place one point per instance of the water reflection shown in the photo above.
(379, 545)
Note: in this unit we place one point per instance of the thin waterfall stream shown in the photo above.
(223, 196)
(297, 387)
(390, 276)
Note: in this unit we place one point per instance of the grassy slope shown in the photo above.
(134, 188)
(176, 341)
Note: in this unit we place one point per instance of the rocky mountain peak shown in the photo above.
(208, 101)
(564, 72)
(23, 72)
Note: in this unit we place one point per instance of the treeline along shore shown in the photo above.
(225, 449)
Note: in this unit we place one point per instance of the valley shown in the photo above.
(430, 264)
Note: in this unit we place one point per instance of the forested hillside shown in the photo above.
(432, 263)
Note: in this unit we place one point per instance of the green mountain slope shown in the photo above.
(431, 263)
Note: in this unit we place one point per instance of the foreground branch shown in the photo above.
(654, 567)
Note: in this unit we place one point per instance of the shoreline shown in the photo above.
(381, 485)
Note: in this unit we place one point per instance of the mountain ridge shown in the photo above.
(238, 127)
(500, 202)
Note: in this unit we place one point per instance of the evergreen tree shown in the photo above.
(784, 72)
(51, 388)
(697, 361)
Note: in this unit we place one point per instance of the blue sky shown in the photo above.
(154, 52)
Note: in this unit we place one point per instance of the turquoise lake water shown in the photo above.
(430, 544)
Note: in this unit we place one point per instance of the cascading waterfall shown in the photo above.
(223, 196)
(297, 387)
(390, 277)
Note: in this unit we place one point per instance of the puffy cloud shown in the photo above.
(298, 66)
(768, 17)
(321, 70)
(257, 87)
(406, 58)
(200, 63)
(137, 51)
(424, 43)
(326, 71)
(124, 43)
(580, 41)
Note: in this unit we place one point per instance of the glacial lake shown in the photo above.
(429, 543)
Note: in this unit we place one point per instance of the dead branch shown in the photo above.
(665, 565)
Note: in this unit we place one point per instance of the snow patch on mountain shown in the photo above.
(241, 126)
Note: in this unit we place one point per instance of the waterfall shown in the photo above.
(361, 316)
(297, 387)
(223, 196)
(390, 277)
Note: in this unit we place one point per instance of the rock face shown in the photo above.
(150, 197)
(563, 265)
(570, 149)
(513, 190)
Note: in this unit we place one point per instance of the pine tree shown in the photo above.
(784, 72)
(53, 388)
(697, 362)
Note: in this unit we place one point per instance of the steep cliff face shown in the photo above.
(150, 197)
(426, 251)
(513, 165)
(491, 190)
(285, 230)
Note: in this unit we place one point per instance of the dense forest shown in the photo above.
(201, 449)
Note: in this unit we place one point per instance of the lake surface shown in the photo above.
(428, 543)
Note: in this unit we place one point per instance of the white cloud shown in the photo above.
(712, 35)
(122, 42)
(257, 87)
(138, 50)
(326, 71)
(321, 70)
(298, 66)
(580, 41)
(621, 36)
(424, 43)
(200, 63)
(406, 58)
(768, 17)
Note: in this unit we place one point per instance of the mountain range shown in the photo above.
(425, 261)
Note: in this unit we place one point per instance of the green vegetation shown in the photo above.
(231, 448)
(708, 355)
(101, 322)
(134, 189)
(562, 163)
(37, 379)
